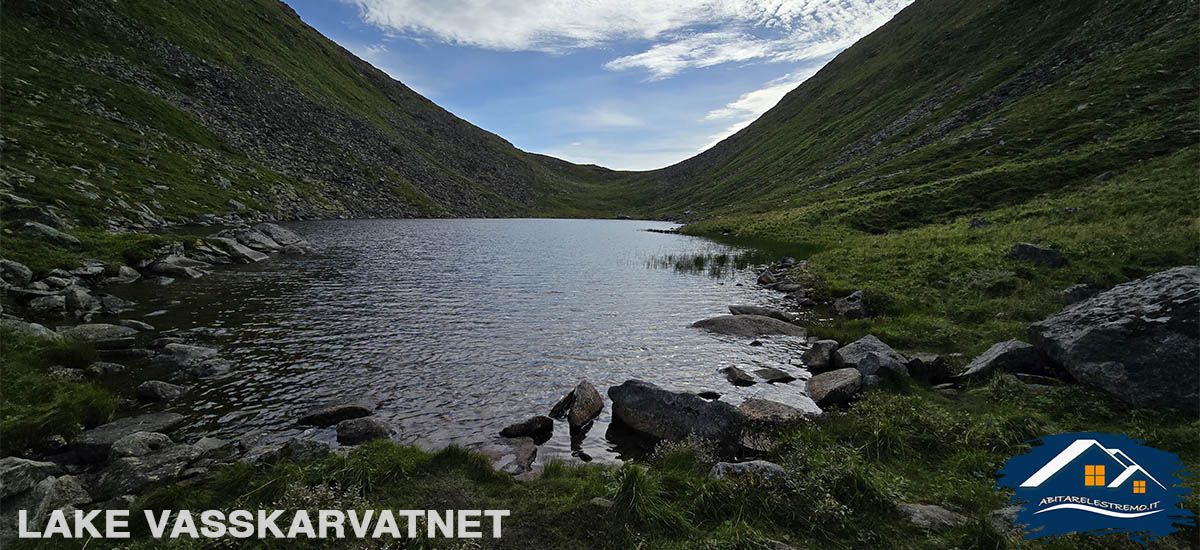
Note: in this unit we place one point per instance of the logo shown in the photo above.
(1096, 484)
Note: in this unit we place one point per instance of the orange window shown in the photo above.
(1139, 486)
(1093, 476)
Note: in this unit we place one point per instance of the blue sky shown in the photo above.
(627, 84)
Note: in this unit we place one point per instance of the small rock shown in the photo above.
(772, 413)
(301, 449)
(94, 445)
(738, 377)
(852, 306)
(511, 455)
(125, 275)
(536, 427)
(931, 517)
(157, 390)
(14, 273)
(758, 470)
(581, 405)
(819, 357)
(1008, 356)
(869, 355)
(601, 502)
(1037, 255)
(928, 367)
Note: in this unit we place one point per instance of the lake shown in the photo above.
(461, 327)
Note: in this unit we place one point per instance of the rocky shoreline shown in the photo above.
(1147, 326)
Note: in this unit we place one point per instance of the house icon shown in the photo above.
(1095, 465)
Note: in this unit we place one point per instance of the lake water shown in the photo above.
(461, 327)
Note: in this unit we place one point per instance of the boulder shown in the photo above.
(140, 444)
(302, 449)
(280, 235)
(251, 238)
(1008, 356)
(184, 355)
(757, 470)
(32, 330)
(49, 234)
(333, 414)
(767, 277)
(77, 298)
(18, 475)
(176, 270)
(749, 326)
(928, 367)
(56, 303)
(1139, 341)
(125, 275)
(774, 376)
(1038, 255)
(931, 517)
(869, 355)
(767, 413)
(136, 325)
(835, 387)
(819, 357)
(239, 252)
(14, 273)
(673, 416)
(134, 474)
(98, 333)
(157, 390)
(580, 406)
(57, 493)
(511, 455)
(761, 312)
(94, 445)
(361, 430)
(537, 427)
(738, 377)
(852, 306)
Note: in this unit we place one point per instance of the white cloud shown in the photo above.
(750, 105)
(606, 117)
(684, 34)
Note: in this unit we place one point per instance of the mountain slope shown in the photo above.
(118, 113)
(957, 107)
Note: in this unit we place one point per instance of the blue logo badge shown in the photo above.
(1096, 483)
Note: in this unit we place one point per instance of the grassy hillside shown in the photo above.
(174, 109)
(1070, 124)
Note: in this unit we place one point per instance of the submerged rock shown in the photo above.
(511, 455)
(580, 406)
(760, 311)
(749, 326)
(361, 430)
(738, 377)
(1139, 341)
(774, 376)
(538, 427)
(157, 390)
(332, 414)
(673, 416)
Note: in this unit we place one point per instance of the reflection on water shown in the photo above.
(461, 327)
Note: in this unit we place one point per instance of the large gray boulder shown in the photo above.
(239, 252)
(1139, 341)
(18, 475)
(133, 474)
(673, 416)
(94, 445)
(749, 326)
(870, 356)
(760, 311)
(49, 234)
(1008, 356)
(14, 273)
(64, 493)
(32, 330)
(835, 387)
(284, 237)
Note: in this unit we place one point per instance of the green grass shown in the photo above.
(846, 473)
(36, 404)
(946, 287)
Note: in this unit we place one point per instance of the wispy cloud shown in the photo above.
(682, 34)
(750, 105)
